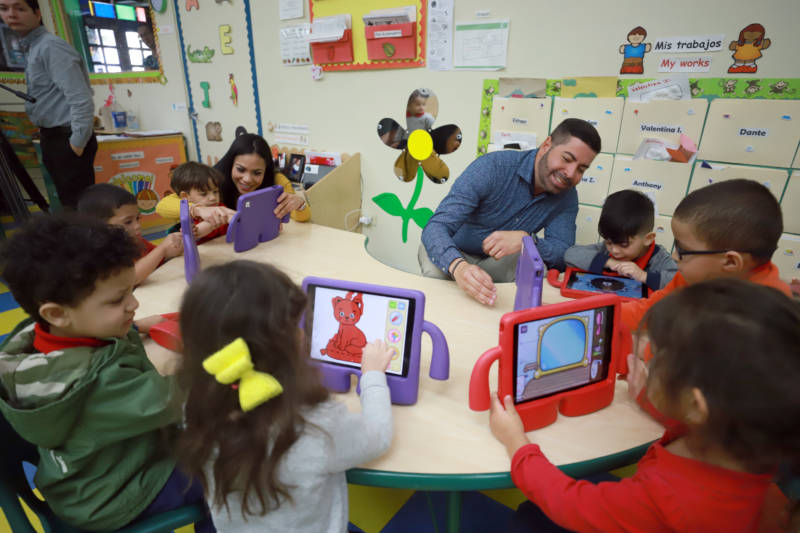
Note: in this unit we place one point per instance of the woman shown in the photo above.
(247, 166)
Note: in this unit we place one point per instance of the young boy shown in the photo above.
(628, 247)
(417, 118)
(114, 205)
(199, 184)
(75, 379)
(728, 229)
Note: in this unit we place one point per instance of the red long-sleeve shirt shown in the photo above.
(668, 493)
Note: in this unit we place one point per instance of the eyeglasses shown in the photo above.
(682, 251)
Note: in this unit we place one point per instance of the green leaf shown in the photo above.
(390, 203)
(421, 216)
(388, 49)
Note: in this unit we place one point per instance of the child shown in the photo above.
(114, 205)
(726, 229)
(416, 116)
(76, 382)
(271, 457)
(629, 248)
(729, 374)
(199, 184)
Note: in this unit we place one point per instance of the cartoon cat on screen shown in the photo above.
(347, 344)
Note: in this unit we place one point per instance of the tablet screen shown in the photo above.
(561, 352)
(624, 287)
(342, 321)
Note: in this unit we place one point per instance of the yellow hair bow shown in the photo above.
(232, 363)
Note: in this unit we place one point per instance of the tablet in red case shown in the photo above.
(559, 357)
(578, 283)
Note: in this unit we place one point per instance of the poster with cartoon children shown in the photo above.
(747, 49)
(633, 52)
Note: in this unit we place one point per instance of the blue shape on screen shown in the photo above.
(563, 343)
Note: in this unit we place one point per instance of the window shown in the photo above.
(119, 36)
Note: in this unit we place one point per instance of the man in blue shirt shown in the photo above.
(64, 109)
(475, 235)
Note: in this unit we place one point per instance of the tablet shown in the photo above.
(530, 276)
(343, 316)
(559, 357)
(578, 283)
(255, 219)
(191, 257)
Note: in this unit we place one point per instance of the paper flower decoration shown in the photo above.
(420, 149)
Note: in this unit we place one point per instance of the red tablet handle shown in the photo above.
(168, 332)
(479, 399)
(553, 278)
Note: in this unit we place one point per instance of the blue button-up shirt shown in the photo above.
(494, 194)
(57, 78)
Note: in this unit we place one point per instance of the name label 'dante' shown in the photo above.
(753, 132)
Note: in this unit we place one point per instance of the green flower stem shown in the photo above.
(412, 202)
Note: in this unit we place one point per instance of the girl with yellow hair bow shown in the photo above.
(260, 429)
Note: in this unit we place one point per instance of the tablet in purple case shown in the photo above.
(255, 219)
(530, 276)
(342, 316)
(191, 258)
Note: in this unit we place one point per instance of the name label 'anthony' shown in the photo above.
(647, 184)
(753, 132)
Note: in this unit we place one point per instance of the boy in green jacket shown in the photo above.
(76, 382)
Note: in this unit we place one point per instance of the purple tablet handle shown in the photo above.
(255, 223)
(403, 390)
(191, 258)
(530, 276)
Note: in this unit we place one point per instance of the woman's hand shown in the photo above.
(288, 203)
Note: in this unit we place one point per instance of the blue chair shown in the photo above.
(14, 486)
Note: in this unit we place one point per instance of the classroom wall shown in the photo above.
(549, 40)
(552, 40)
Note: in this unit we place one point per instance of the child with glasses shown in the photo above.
(728, 229)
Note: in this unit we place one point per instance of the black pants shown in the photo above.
(71, 174)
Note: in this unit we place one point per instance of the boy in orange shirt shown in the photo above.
(728, 229)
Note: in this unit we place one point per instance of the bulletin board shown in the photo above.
(357, 9)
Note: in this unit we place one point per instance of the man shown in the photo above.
(475, 235)
(64, 110)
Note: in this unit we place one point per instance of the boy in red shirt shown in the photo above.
(116, 206)
(728, 229)
(199, 184)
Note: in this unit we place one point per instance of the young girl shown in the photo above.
(726, 365)
(272, 456)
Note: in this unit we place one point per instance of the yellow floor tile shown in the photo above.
(371, 508)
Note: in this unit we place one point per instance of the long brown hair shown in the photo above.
(262, 305)
(754, 27)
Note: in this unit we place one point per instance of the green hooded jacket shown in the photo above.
(94, 414)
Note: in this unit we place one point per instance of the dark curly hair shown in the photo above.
(60, 258)
(260, 304)
(737, 342)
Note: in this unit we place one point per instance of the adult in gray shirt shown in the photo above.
(475, 235)
(63, 110)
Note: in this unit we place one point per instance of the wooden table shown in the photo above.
(439, 443)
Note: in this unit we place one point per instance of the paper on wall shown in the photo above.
(526, 140)
(481, 45)
(328, 29)
(294, 45)
(440, 34)
(522, 87)
(594, 87)
(672, 88)
(290, 9)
